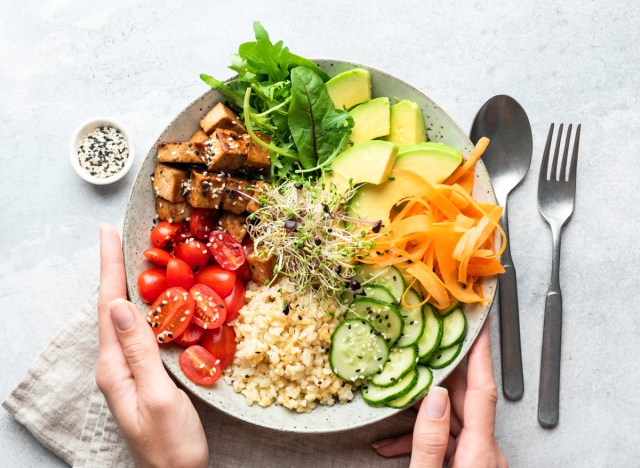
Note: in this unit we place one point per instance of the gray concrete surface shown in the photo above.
(572, 61)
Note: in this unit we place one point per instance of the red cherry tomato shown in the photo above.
(190, 336)
(228, 252)
(179, 274)
(152, 283)
(220, 342)
(244, 272)
(203, 222)
(194, 253)
(163, 233)
(234, 301)
(171, 314)
(158, 256)
(183, 235)
(200, 366)
(217, 278)
(210, 308)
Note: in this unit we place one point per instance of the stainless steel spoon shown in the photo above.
(507, 158)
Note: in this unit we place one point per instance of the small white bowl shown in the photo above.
(86, 128)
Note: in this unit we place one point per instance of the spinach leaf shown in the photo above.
(317, 128)
(297, 61)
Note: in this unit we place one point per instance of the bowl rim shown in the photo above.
(84, 128)
(390, 411)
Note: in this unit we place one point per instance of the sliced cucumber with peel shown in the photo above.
(401, 361)
(371, 291)
(430, 339)
(356, 350)
(425, 377)
(443, 357)
(454, 327)
(378, 396)
(382, 316)
(413, 318)
(453, 306)
(389, 277)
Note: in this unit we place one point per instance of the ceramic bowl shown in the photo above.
(138, 223)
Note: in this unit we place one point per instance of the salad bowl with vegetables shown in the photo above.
(316, 242)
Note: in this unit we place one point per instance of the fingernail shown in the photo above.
(382, 443)
(436, 402)
(121, 314)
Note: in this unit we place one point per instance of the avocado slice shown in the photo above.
(372, 120)
(407, 124)
(432, 161)
(350, 88)
(370, 161)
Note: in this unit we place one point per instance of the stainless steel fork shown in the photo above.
(556, 195)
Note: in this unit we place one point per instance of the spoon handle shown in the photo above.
(511, 353)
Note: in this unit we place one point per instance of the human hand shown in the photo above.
(159, 423)
(465, 436)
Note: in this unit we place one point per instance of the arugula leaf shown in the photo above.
(297, 61)
(316, 126)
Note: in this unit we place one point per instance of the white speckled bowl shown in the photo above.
(138, 224)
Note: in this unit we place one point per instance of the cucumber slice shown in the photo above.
(430, 339)
(454, 305)
(413, 320)
(378, 396)
(371, 291)
(454, 327)
(382, 316)
(356, 351)
(401, 362)
(388, 277)
(425, 377)
(444, 357)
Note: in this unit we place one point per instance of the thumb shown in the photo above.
(138, 343)
(431, 432)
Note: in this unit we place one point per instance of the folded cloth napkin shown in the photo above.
(60, 404)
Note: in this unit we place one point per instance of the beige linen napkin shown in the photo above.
(60, 404)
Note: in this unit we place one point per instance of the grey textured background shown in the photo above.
(64, 61)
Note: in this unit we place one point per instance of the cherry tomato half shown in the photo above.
(202, 222)
(228, 252)
(163, 233)
(200, 366)
(190, 336)
(234, 301)
(210, 308)
(179, 274)
(171, 314)
(152, 283)
(217, 278)
(158, 256)
(194, 253)
(220, 342)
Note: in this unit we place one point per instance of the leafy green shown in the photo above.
(316, 125)
(263, 93)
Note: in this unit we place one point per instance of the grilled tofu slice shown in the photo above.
(221, 117)
(206, 189)
(234, 224)
(186, 152)
(261, 267)
(172, 212)
(170, 183)
(199, 137)
(257, 156)
(253, 205)
(226, 151)
(234, 201)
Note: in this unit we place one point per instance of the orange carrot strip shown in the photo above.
(470, 162)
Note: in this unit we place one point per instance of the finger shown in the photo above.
(482, 395)
(112, 286)
(394, 447)
(139, 347)
(431, 432)
(456, 383)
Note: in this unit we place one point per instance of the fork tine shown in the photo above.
(574, 157)
(565, 155)
(545, 156)
(556, 155)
